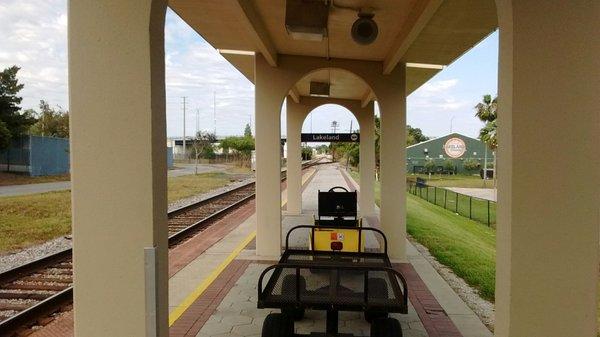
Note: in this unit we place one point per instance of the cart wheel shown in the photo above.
(278, 325)
(288, 286)
(377, 290)
(385, 327)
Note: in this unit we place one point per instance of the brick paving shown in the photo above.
(62, 326)
(201, 310)
(432, 315)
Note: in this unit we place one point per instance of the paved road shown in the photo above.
(181, 170)
(481, 193)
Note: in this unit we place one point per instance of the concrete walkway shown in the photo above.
(236, 315)
(12, 190)
(481, 193)
(182, 170)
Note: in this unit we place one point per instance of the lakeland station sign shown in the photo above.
(330, 137)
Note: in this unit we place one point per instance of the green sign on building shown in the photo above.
(449, 153)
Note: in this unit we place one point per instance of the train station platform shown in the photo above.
(213, 280)
(215, 295)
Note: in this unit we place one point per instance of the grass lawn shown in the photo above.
(465, 246)
(186, 186)
(22, 179)
(476, 209)
(31, 219)
(453, 180)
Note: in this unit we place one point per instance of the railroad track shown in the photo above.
(31, 292)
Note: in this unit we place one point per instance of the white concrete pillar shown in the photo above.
(118, 166)
(268, 160)
(548, 168)
(392, 105)
(295, 115)
(366, 119)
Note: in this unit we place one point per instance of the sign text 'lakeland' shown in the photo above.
(330, 137)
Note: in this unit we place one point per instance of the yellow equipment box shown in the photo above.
(338, 239)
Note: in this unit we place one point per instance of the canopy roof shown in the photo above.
(425, 34)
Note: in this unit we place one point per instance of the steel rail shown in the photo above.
(65, 296)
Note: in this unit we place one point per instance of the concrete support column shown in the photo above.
(295, 115)
(548, 168)
(118, 167)
(366, 119)
(392, 105)
(268, 161)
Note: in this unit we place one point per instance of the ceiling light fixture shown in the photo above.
(306, 19)
(319, 89)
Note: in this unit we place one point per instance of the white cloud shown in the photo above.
(33, 35)
(432, 88)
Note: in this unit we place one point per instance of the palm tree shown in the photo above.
(487, 112)
(488, 135)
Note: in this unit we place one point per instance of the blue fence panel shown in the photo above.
(48, 156)
(16, 157)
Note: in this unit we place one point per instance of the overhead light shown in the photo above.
(319, 89)
(306, 19)
(364, 30)
(425, 66)
(236, 52)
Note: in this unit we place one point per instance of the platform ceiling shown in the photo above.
(412, 31)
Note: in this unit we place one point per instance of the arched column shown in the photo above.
(295, 115)
(548, 168)
(268, 100)
(366, 120)
(117, 103)
(272, 85)
(392, 106)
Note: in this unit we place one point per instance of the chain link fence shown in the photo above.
(477, 209)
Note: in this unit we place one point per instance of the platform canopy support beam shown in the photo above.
(366, 120)
(548, 202)
(268, 101)
(118, 167)
(392, 106)
(295, 115)
(272, 85)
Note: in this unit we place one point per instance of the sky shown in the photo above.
(33, 36)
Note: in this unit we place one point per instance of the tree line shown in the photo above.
(15, 122)
(350, 151)
(486, 111)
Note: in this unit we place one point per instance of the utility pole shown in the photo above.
(196, 145)
(334, 126)
(184, 150)
(451, 119)
(215, 111)
(351, 126)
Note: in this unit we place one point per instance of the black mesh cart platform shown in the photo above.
(333, 281)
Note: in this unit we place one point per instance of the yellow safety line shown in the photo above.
(193, 296)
